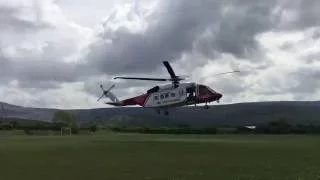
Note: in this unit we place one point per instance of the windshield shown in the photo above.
(205, 88)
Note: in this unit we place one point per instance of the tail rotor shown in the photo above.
(105, 93)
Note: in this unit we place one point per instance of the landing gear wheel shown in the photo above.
(166, 112)
(206, 106)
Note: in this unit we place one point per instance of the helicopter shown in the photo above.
(167, 96)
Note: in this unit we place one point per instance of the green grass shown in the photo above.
(180, 157)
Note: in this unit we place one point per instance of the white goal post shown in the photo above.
(65, 131)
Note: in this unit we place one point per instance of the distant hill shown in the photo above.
(14, 111)
(296, 112)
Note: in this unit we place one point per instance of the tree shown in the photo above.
(93, 128)
(14, 124)
(280, 126)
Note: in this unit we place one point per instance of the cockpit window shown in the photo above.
(211, 90)
(152, 90)
(204, 89)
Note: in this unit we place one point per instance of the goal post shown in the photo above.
(65, 131)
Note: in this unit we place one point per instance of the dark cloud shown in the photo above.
(177, 27)
(235, 32)
(35, 74)
(209, 28)
(167, 38)
(34, 70)
(32, 50)
(174, 28)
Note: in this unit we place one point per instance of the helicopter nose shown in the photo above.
(219, 96)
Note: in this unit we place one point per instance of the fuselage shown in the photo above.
(170, 96)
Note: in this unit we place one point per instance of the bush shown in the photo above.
(93, 128)
(75, 130)
(28, 131)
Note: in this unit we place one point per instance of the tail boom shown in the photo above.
(138, 100)
(115, 104)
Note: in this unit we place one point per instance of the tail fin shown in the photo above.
(112, 97)
(109, 94)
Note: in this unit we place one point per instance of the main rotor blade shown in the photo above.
(227, 72)
(100, 97)
(110, 88)
(101, 86)
(170, 70)
(148, 79)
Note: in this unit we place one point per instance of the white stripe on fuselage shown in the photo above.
(165, 98)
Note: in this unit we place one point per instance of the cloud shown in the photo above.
(13, 19)
(138, 38)
(274, 44)
(37, 54)
(297, 14)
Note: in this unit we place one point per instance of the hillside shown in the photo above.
(297, 112)
(14, 111)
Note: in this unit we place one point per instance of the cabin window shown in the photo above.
(167, 95)
(173, 94)
(181, 92)
(156, 98)
(161, 96)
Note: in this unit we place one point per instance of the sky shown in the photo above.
(55, 53)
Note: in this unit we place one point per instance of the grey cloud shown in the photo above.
(44, 70)
(316, 34)
(313, 57)
(10, 21)
(176, 27)
(306, 14)
(32, 70)
(39, 85)
(307, 80)
(180, 27)
(231, 86)
(35, 74)
(238, 27)
(173, 29)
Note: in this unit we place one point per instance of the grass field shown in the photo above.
(180, 157)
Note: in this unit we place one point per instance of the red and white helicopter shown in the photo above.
(167, 96)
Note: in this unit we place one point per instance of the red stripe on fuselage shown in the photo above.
(205, 95)
(138, 100)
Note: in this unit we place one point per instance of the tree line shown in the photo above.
(62, 119)
(280, 126)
